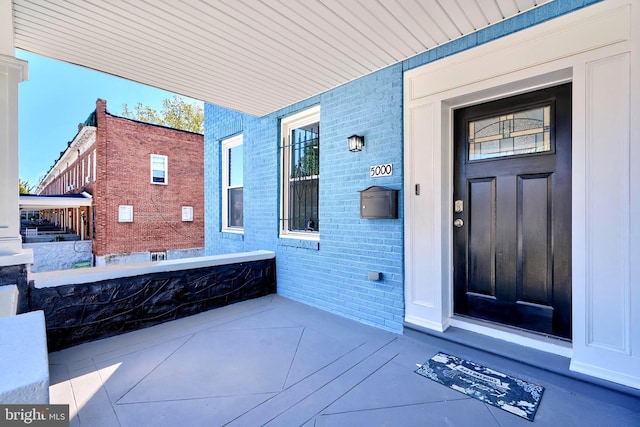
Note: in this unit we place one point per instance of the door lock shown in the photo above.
(458, 206)
(458, 223)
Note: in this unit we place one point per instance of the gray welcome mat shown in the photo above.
(495, 388)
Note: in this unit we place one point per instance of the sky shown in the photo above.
(56, 97)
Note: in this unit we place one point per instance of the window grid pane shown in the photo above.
(304, 170)
(158, 169)
(303, 205)
(235, 207)
(235, 166)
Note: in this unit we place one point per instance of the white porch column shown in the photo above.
(12, 72)
(6, 28)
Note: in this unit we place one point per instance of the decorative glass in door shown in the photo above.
(523, 132)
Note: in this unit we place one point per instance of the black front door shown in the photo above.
(512, 211)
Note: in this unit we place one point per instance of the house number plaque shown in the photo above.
(381, 170)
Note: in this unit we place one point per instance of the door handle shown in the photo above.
(458, 223)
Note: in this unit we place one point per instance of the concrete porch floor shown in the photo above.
(273, 361)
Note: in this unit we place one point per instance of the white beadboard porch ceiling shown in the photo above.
(254, 56)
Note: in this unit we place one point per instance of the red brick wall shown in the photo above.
(123, 178)
(100, 193)
(122, 149)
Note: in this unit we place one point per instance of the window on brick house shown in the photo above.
(158, 169)
(158, 256)
(232, 184)
(300, 150)
(88, 176)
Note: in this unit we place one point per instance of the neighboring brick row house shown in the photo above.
(147, 186)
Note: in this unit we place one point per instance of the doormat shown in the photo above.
(500, 390)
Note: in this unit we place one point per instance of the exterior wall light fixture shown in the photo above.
(356, 142)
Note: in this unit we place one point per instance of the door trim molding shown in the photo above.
(562, 50)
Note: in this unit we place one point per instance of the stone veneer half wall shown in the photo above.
(105, 301)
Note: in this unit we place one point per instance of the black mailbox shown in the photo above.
(379, 202)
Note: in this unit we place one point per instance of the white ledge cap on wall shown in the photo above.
(25, 257)
(8, 300)
(24, 361)
(95, 274)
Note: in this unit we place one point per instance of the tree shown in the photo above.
(25, 187)
(176, 113)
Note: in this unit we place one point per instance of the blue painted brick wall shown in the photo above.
(333, 274)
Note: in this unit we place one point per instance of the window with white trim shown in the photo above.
(232, 184)
(125, 213)
(159, 169)
(187, 213)
(300, 151)
(88, 176)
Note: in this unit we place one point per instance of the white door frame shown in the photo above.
(592, 48)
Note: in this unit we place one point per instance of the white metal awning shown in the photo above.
(254, 56)
(36, 203)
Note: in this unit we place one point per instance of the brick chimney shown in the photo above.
(101, 109)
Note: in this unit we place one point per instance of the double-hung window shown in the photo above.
(232, 184)
(300, 214)
(158, 169)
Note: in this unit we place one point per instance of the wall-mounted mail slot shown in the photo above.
(379, 202)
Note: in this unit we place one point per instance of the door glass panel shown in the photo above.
(522, 132)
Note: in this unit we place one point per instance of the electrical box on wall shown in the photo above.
(379, 202)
